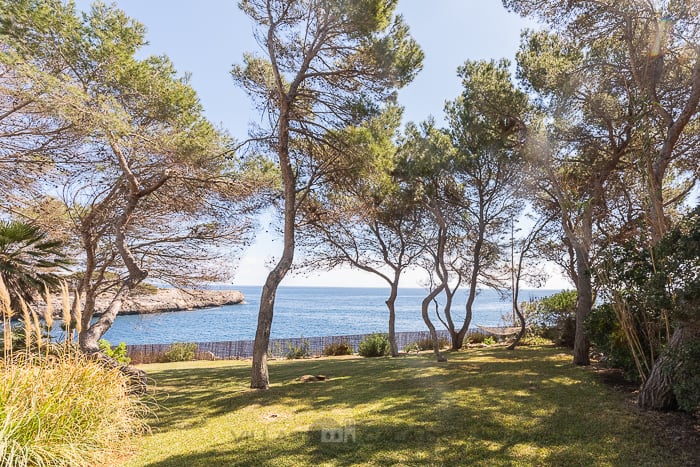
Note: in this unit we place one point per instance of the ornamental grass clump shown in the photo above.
(58, 407)
(65, 410)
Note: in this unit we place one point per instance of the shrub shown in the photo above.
(606, 336)
(119, 353)
(475, 338)
(426, 344)
(298, 351)
(531, 339)
(180, 352)
(489, 340)
(375, 345)
(342, 348)
(685, 376)
(65, 411)
(554, 317)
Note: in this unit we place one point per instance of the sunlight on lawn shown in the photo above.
(486, 406)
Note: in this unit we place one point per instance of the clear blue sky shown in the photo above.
(206, 37)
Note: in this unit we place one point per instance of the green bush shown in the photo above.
(489, 340)
(554, 317)
(342, 348)
(180, 352)
(298, 351)
(425, 344)
(375, 345)
(606, 336)
(685, 377)
(475, 338)
(119, 353)
(532, 339)
(65, 411)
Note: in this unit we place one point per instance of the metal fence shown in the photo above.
(278, 348)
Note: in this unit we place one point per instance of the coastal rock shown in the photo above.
(174, 300)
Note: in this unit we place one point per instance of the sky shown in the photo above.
(206, 38)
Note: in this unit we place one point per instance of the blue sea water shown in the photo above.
(305, 311)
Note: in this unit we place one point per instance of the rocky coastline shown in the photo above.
(160, 301)
(165, 300)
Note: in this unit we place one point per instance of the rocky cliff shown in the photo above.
(175, 300)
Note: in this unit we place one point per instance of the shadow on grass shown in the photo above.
(488, 407)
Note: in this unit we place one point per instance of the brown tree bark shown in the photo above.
(433, 333)
(260, 378)
(391, 305)
(584, 304)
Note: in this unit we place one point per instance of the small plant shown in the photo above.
(475, 338)
(119, 353)
(374, 345)
(298, 351)
(489, 340)
(426, 344)
(342, 348)
(180, 352)
(533, 339)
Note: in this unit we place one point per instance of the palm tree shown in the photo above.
(28, 261)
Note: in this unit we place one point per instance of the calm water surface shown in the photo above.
(304, 311)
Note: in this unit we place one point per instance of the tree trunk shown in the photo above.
(259, 375)
(391, 305)
(433, 334)
(522, 331)
(657, 391)
(90, 334)
(462, 334)
(584, 303)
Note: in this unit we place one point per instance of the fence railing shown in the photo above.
(278, 348)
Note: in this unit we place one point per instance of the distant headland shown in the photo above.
(164, 300)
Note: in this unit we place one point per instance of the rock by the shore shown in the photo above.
(174, 300)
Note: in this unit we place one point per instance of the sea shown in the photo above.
(308, 312)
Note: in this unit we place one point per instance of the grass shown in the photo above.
(63, 410)
(483, 407)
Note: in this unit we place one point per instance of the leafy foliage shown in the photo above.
(375, 345)
(298, 351)
(426, 344)
(28, 261)
(554, 317)
(119, 353)
(607, 337)
(655, 289)
(336, 349)
(180, 352)
(685, 374)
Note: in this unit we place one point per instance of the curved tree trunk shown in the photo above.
(90, 335)
(657, 391)
(522, 331)
(433, 334)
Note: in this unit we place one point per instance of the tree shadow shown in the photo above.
(473, 409)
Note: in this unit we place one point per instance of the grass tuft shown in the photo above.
(65, 410)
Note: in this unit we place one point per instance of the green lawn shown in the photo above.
(483, 407)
